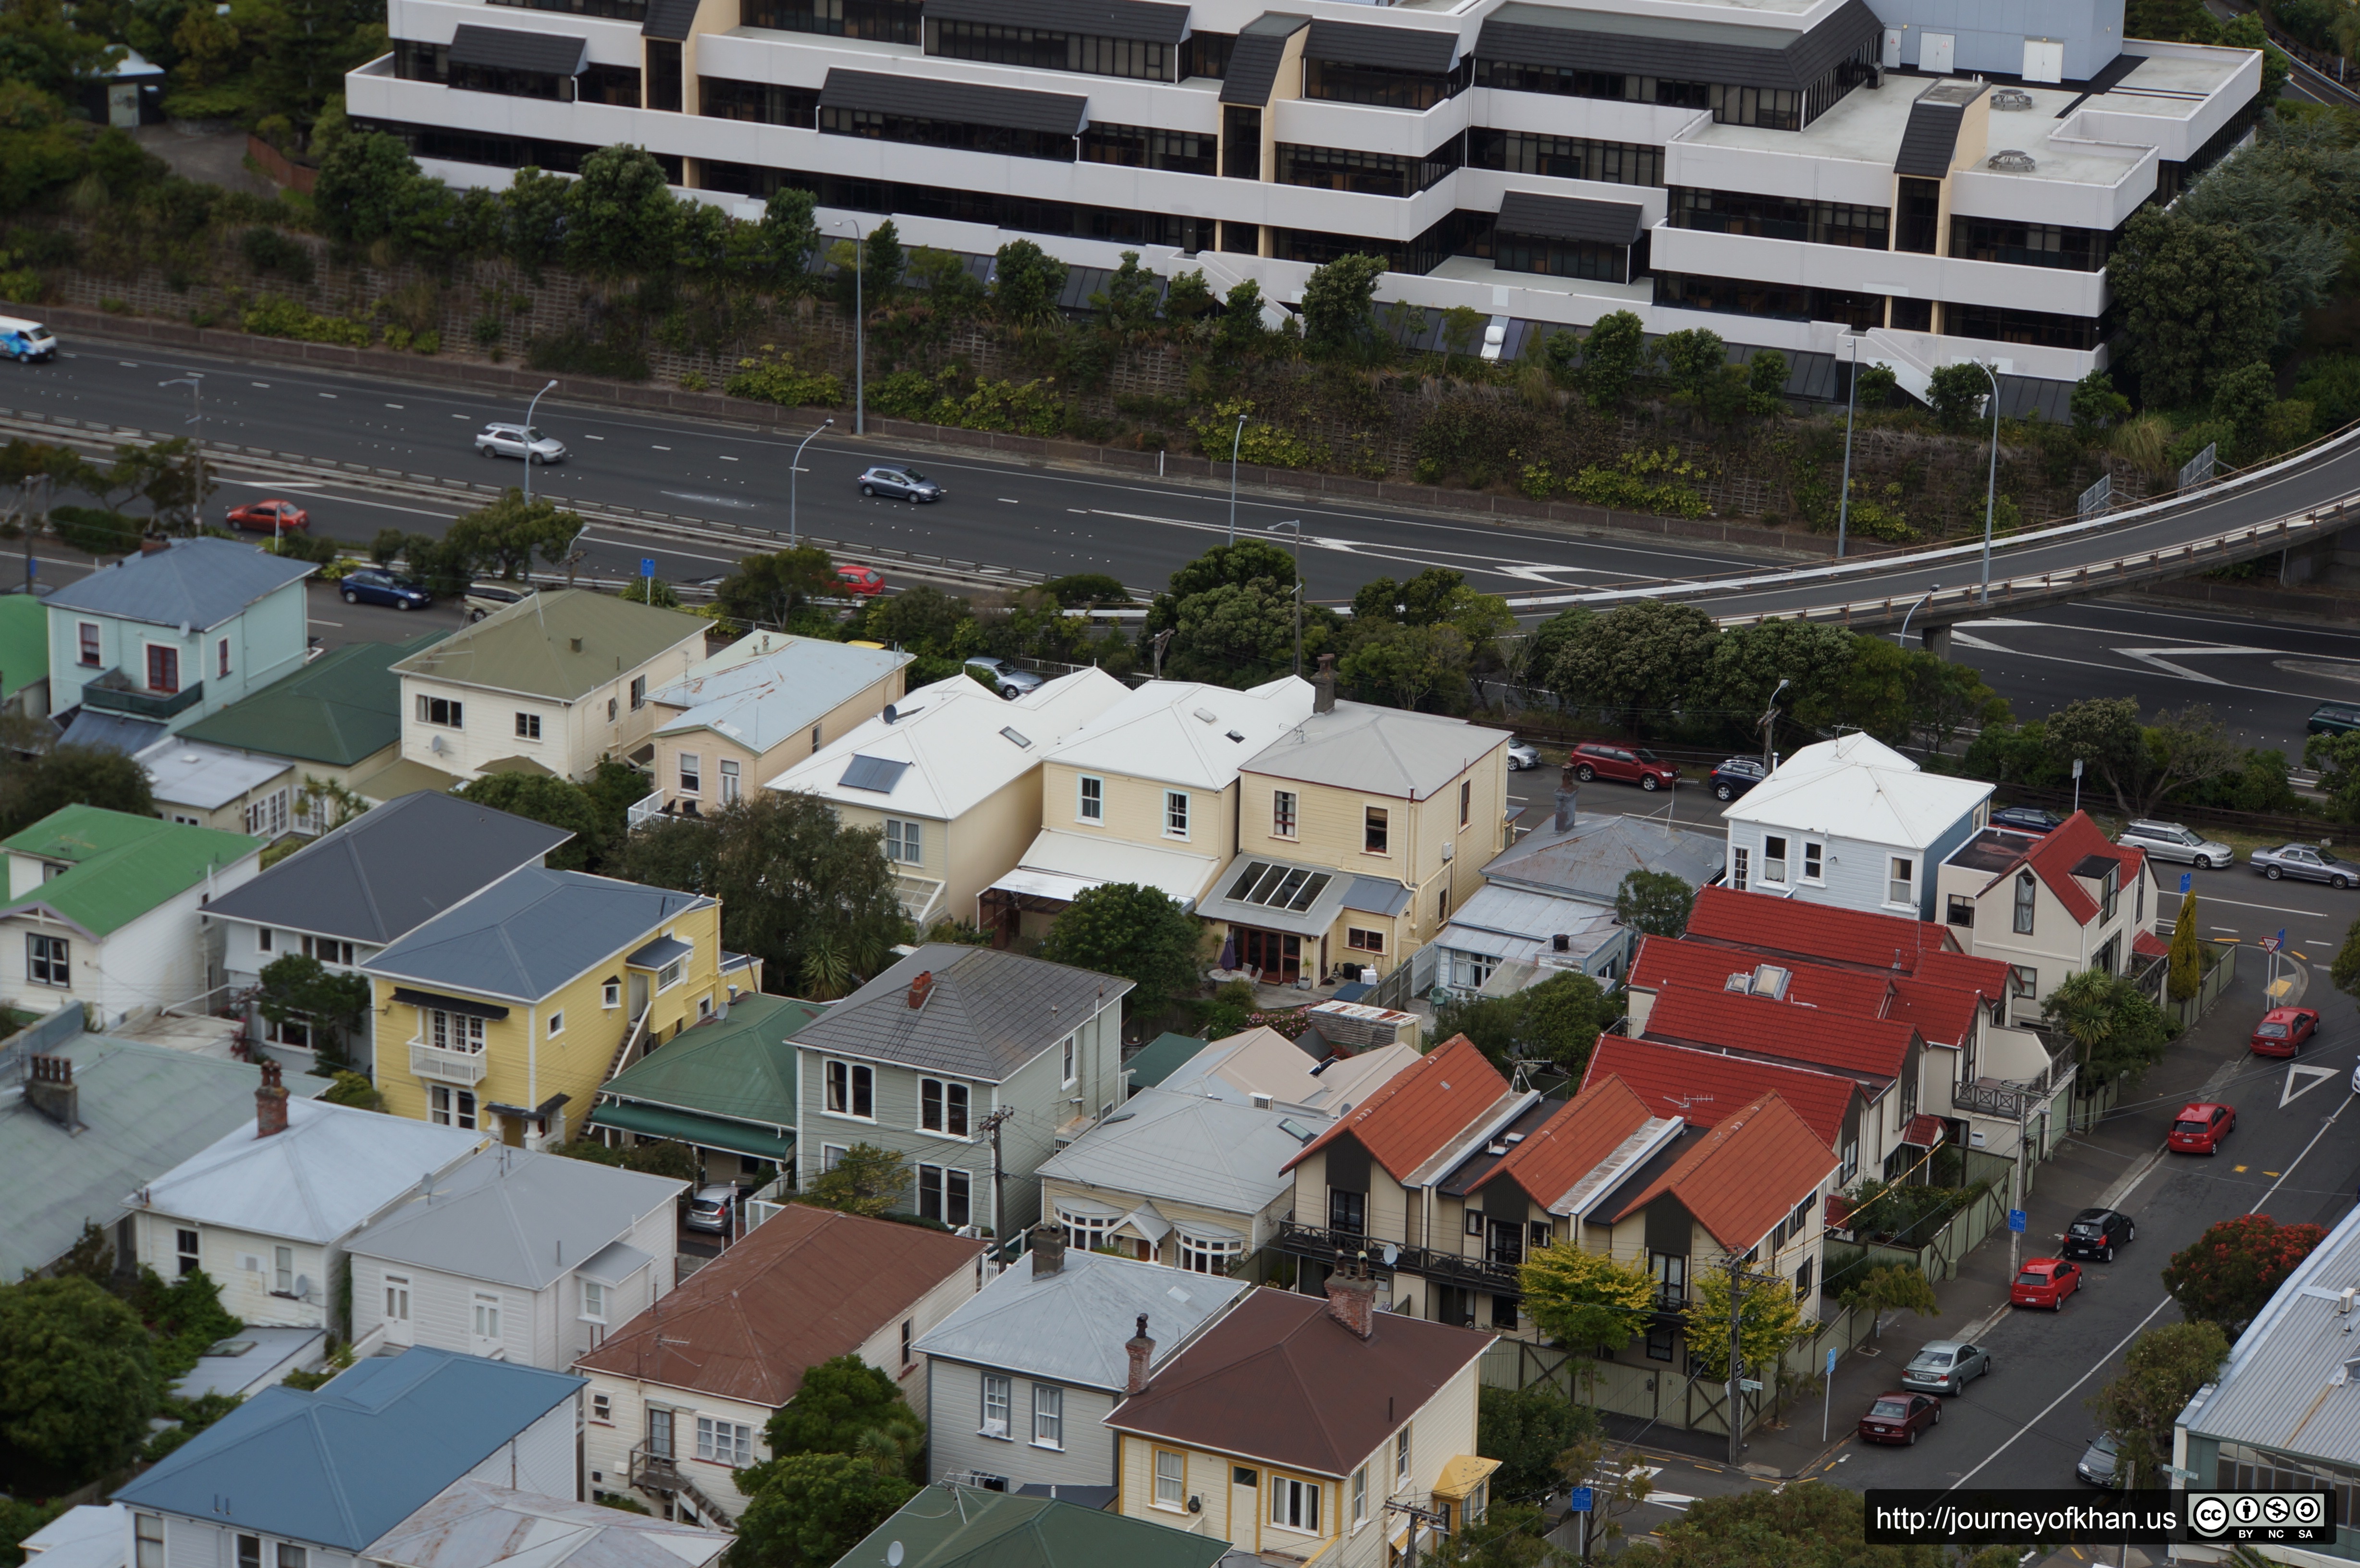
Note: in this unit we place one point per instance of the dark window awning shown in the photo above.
(505, 49)
(466, 1005)
(910, 97)
(696, 1128)
(669, 19)
(658, 953)
(1570, 218)
(1427, 49)
(1930, 141)
(1674, 48)
(1255, 58)
(1140, 19)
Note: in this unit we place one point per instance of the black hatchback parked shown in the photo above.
(2096, 1233)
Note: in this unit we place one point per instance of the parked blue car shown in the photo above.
(367, 585)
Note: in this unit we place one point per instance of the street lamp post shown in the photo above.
(1297, 526)
(860, 333)
(1991, 485)
(195, 382)
(1931, 588)
(530, 437)
(793, 468)
(1852, 407)
(1235, 442)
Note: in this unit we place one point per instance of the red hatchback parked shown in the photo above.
(1623, 764)
(2199, 1128)
(2044, 1282)
(2283, 1030)
(1899, 1417)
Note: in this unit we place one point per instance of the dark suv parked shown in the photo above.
(1735, 777)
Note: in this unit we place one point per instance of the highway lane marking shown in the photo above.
(2153, 656)
(2274, 909)
(317, 622)
(2084, 663)
(329, 395)
(1010, 501)
(726, 458)
(664, 448)
(642, 544)
(712, 500)
(2140, 1327)
(586, 437)
(393, 405)
(264, 385)
(1369, 551)
(126, 364)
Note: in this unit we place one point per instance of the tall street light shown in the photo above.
(195, 382)
(794, 468)
(532, 436)
(1931, 588)
(1852, 407)
(1991, 485)
(1234, 442)
(859, 330)
(1296, 524)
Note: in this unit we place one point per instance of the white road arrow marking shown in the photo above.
(1967, 639)
(2311, 1078)
(2151, 657)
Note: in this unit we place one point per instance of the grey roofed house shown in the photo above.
(1190, 1148)
(109, 732)
(142, 1109)
(1072, 1325)
(1586, 857)
(2284, 1402)
(987, 1014)
(1382, 751)
(474, 947)
(390, 870)
(199, 582)
(515, 1216)
(476, 1524)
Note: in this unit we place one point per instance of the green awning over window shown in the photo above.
(689, 1126)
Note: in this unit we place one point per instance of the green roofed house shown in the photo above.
(338, 720)
(104, 908)
(24, 656)
(965, 1527)
(726, 1087)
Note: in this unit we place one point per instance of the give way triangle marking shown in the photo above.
(2308, 1077)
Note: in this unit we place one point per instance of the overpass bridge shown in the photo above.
(2294, 502)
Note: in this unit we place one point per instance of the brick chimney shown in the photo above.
(150, 545)
(49, 1089)
(1352, 1297)
(1048, 1250)
(269, 1103)
(1323, 685)
(1142, 1350)
(1568, 787)
(921, 988)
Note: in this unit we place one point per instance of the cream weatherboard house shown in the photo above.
(2051, 906)
(760, 705)
(550, 684)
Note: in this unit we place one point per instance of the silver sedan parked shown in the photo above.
(2170, 841)
(1946, 1366)
(2306, 863)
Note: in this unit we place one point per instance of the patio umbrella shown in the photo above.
(1230, 952)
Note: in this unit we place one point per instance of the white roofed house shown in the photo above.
(763, 703)
(207, 785)
(1147, 793)
(1503, 940)
(949, 774)
(1263, 1065)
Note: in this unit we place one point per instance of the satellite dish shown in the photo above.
(1391, 1252)
(891, 714)
(893, 1555)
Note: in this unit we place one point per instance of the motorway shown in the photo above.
(2261, 678)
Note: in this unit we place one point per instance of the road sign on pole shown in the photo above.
(2272, 943)
(2187, 880)
(647, 566)
(1579, 1500)
(2016, 1221)
(1831, 1390)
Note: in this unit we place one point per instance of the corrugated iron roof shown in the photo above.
(1872, 1049)
(1421, 1111)
(1746, 1174)
(1703, 1086)
(986, 1014)
(1072, 1325)
(1555, 1156)
(198, 582)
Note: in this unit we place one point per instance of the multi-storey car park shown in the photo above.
(1943, 177)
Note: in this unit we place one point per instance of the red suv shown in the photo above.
(1623, 764)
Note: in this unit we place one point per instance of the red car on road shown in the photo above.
(861, 580)
(2044, 1282)
(273, 515)
(1623, 764)
(2283, 1030)
(1899, 1417)
(2199, 1128)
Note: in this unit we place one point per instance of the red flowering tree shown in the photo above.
(2229, 1272)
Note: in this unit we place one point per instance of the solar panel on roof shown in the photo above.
(877, 773)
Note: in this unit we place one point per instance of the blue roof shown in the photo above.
(341, 1465)
(198, 582)
(531, 932)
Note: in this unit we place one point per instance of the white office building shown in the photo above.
(1781, 171)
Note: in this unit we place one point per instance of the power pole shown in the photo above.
(1767, 723)
(992, 1125)
(1432, 1519)
(1736, 1364)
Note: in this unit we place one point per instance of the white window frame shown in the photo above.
(453, 711)
(1814, 862)
(1048, 1416)
(282, 1271)
(692, 778)
(90, 645)
(221, 659)
(290, 1555)
(1359, 1496)
(188, 1248)
(486, 1318)
(601, 1408)
(1901, 881)
(148, 1540)
(1774, 860)
(1089, 799)
(951, 1102)
(905, 842)
(1175, 813)
(1286, 814)
(610, 994)
(1401, 1457)
(1292, 1503)
(998, 1394)
(724, 1442)
(671, 974)
(446, 1106)
(844, 1083)
(48, 960)
(1170, 1480)
(1069, 1064)
(396, 1298)
(950, 1191)
(1204, 1255)
(557, 1023)
(729, 781)
(1741, 861)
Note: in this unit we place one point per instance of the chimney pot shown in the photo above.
(575, 643)
(1353, 1298)
(1048, 1250)
(1141, 1350)
(152, 545)
(1323, 685)
(49, 1089)
(921, 987)
(269, 1103)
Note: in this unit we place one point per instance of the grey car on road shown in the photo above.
(2169, 841)
(901, 483)
(1946, 1366)
(2306, 863)
(528, 442)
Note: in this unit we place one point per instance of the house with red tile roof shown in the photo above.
(1702, 1086)
(2049, 906)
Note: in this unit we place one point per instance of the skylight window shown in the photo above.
(1020, 740)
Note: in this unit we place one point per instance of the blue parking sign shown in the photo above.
(1578, 1501)
(647, 566)
(1831, 1360)
(2016, 1221)
(2187, 880)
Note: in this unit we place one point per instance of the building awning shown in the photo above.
(1432, 50)
(696, 1127)
(1271, 894)
(669, 20)
(2146, 945)
(613, 1263)
(932, 98)
(1064, 866)
(1140, 19)
(1923, 1132)
(1084, 1208)
(507, 49)
(656, 954)
(466, 1007)
(1256, 57)
(1376, 895)
(1570, 218)
(732, 961)
(1147, 1222)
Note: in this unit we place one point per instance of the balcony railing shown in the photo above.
(645, 810)
(112, 692)
(1426, 1262)
(446, 1067)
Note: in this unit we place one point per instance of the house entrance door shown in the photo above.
(1245, 1505)
(1277, 955)
(638, 994)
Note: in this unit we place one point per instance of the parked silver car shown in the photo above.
(527, 442)
(2169, 841)
(1946, 1366)
(1522, 754)
(901, 483)
(2307, 863)
(712, 1208)
(1006, 678)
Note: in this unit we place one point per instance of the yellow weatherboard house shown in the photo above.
(506, 1012)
